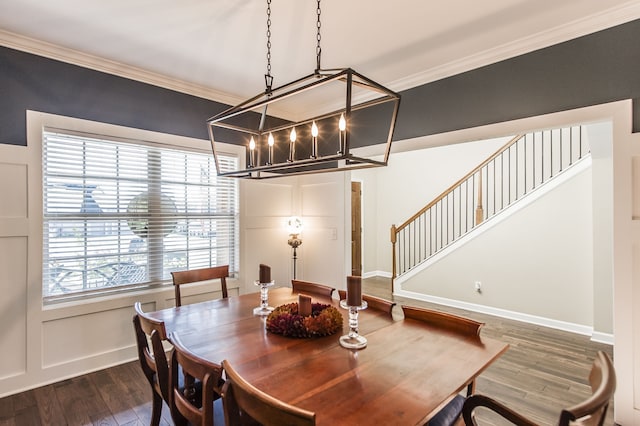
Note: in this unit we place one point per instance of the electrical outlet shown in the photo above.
(478, 286)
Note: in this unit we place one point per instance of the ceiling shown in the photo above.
(217, 48)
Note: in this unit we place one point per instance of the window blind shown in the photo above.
(119, 214)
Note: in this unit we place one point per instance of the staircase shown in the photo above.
(523, 165)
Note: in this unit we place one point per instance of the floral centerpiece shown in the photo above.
(323, 321)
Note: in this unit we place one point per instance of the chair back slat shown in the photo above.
(153, 360)
(443, 320)
(307, 287)
(593, 410)
(242, 400)
(373, 302)
(185, 407)
(198, 275)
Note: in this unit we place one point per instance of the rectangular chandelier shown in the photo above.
(311, 125)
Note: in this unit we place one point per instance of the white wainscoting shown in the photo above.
(49, 343)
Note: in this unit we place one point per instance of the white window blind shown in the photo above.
(120, 214)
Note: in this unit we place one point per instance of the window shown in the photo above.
(122, 214)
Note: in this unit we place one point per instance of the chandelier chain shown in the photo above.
(318, 38)
(268, 78)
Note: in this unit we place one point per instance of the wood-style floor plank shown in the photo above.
(543, 371)
(49, 408)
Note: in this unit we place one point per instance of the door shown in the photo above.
(356, 228)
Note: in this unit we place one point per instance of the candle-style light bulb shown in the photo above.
(292, 145)
(252, 150)
(342, 126)
(314, 140)
(270, 142)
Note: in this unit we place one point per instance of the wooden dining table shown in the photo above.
(407, 372)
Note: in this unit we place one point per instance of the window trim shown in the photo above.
(37, 124)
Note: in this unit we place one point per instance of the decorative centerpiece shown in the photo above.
(264, 283)
(353, 304)
(304, 319)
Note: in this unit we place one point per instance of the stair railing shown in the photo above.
(522, 165)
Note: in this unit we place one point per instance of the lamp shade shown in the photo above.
(294, 225)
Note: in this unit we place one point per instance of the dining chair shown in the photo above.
(245, 404)
(591, 411)
(197, 275)
(451, 412)
(373, 302)
(311, 288)
(187, 408)
(153, 360)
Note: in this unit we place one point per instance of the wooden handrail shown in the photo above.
(460, 181)
(482, 193)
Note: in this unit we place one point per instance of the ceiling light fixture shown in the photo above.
(336, 111)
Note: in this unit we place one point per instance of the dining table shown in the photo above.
(406, 373)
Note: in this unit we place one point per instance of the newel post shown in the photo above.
(479, 209)
(393, 255)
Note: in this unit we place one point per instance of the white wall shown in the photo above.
(536, 262)
(626, 265)
(319, 200)
(412, 179)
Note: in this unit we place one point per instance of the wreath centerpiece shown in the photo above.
(323, 321)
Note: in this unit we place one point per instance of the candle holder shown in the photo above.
(353, 340)
(264, 308)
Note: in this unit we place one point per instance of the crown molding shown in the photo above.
(581, 27)
(577, 28)
(74, 57)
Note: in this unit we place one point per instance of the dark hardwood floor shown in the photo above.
(543, 371)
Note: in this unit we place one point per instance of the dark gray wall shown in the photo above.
(32, 82)
(594, 69)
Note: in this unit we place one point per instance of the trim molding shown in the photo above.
(96, 63)
(612, 17)
(383, 274)
(606, 338)
(503, 313)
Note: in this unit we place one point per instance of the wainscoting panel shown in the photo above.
(13, 305)
(318, 199)
(268, 245)
(78, 337)
(635, 314)
(13, 190)
(268, 198)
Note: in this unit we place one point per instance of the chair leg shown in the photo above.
(471, 388)
(156, 412)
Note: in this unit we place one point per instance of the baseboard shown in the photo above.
(512, 315)
(372, 274)
(606, 338)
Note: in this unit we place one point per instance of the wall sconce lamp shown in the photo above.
(294, 226)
